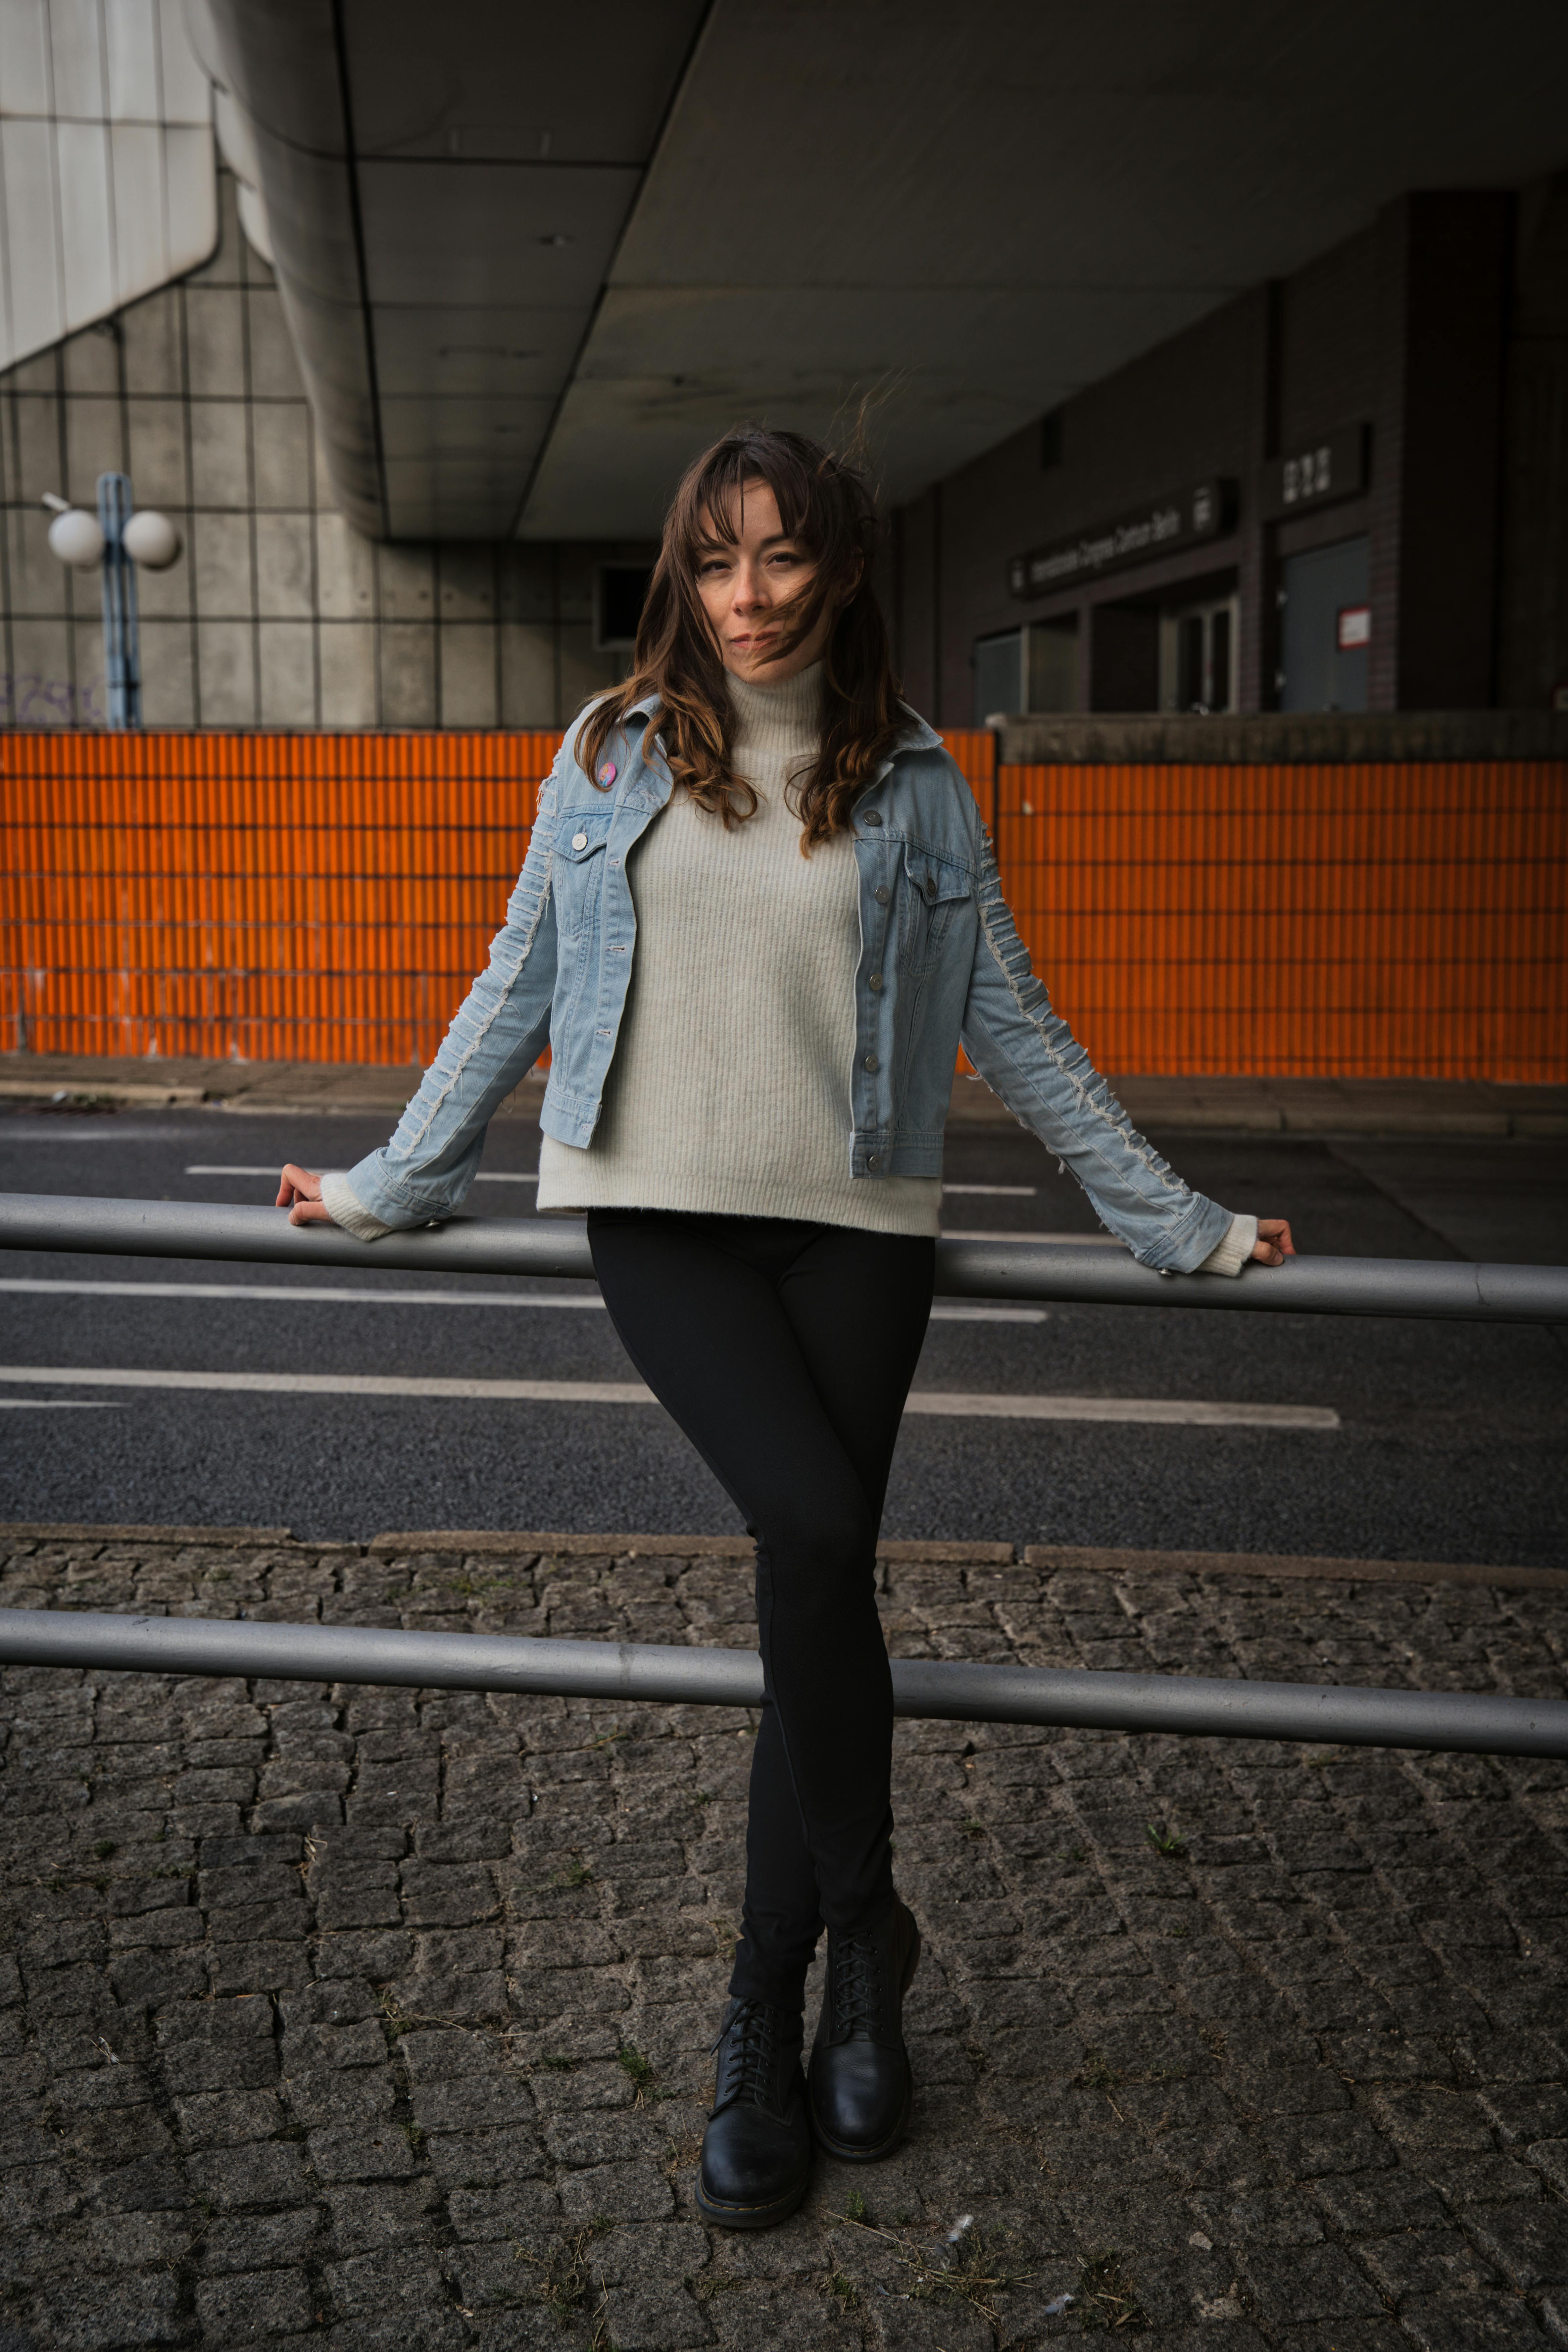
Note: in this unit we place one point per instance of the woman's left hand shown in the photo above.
(300, 1192)
(1274, 1244)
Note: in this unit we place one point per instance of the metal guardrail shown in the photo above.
(952, 1691)
(1454, 1291)
(1196, 1705)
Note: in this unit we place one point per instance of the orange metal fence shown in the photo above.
(273, 897)
(328, 897)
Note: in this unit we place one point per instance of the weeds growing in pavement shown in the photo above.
(639, 2072)
(1106, 2296)
(855, 2207)
(971, 2265)
(841, 2288)
(567, 2282)
(575, 1874)
(397, 2024)
(1096, 2074)
(399, 2021)
(1170, 1843)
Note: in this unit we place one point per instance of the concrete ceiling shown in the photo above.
(775, 207)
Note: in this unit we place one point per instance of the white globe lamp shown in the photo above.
(150, 539)
(77, 540)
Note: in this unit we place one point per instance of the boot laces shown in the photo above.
(748, 2049)
(857, 1987)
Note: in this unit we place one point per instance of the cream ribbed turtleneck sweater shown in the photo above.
(729, 1092)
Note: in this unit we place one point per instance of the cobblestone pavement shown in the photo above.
(365, 2019)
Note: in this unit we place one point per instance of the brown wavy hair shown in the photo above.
(827, 505)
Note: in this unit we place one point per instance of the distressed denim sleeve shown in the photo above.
(497, 1034)
(1029, 1057)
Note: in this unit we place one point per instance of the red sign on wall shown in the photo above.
(1352, 627)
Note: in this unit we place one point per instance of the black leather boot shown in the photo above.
(756, 2152)
(861, 2089)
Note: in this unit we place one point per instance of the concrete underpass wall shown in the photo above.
(278, 613)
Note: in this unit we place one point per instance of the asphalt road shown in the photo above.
(1448, 1446)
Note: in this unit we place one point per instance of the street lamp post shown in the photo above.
(119, 540)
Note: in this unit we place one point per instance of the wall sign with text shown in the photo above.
(1164, 527)
(1332, 466)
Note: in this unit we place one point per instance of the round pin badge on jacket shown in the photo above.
(607, 772)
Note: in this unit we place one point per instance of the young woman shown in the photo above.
(758, 911)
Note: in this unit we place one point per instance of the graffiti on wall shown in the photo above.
(28, 699)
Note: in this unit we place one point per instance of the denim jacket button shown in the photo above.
(872, 816)
(579, 841)
(873, 1160)
(873, 1061)
(882, 894)
(931, 886)
(875, 981)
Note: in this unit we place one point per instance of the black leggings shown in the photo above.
(786, 1351)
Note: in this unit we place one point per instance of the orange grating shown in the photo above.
(328, 897)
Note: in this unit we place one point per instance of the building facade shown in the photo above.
(1345, 490)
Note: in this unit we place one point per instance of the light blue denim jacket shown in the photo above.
(941, 960)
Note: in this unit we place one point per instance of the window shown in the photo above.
(1327, 628)
(999, 685)
(1198, 655)
(620, 591)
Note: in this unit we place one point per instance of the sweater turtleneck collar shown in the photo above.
(784, 718)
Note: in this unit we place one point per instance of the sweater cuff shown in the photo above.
(341, 1204)
(1229, 1257)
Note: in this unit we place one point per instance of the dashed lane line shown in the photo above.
(312, 1294)
(956, 1404)
(58, 1404)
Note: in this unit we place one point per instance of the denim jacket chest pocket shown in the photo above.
(581, 865)
(933, 891)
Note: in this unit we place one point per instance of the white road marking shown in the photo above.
(1005, 1192)
(58, 1404)
(1198, 1413)
(989, 1315)
(955, 1403)
(299, 1294)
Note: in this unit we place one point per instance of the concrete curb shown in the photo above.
(1350, 1108)
(1067, 1560)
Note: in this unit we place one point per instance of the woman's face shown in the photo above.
(745, 584)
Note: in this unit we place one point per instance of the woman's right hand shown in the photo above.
(300, 1192)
